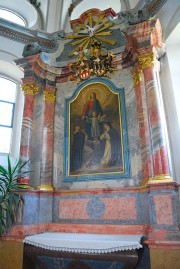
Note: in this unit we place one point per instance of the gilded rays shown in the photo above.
(92, 30)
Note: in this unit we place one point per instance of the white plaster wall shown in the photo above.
(169, 16)
(173, 55)
(170, 80)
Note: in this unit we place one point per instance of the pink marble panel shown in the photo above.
(120, 208)
(163, 206)
(25, 230)
(73, 209)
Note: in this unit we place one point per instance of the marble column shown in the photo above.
(46, 169)
(145, 145)
(155, 110)
(29, 89)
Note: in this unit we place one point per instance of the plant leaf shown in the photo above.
(9, 199)
(2, 170)
(20, 168)
(14, 170)
(9, 166)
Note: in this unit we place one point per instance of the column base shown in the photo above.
(164, 178)
(144, 182)
(24, 183)
(26, 186)
(45, 187)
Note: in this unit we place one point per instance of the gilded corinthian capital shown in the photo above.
(146, 60)
(49, 96)
(29, 88)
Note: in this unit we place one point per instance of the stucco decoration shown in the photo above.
(31, 49)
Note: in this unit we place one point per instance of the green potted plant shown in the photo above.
(10, 199)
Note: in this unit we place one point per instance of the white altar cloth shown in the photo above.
(84, 243)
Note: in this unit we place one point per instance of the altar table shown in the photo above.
(81, 251)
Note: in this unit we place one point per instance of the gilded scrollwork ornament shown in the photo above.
(98, 64)
(137, 76)
(89, 40)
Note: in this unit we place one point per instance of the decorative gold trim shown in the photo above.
(163, 178)
(26, 186)
(144, 182)
(147, 60)
(29, 88)
(137, 77)
(144, 60)
(45, 187)
(49, 96)
(142, 188)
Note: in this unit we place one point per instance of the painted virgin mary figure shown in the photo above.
(91, 107)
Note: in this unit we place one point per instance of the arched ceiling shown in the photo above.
(23, 8)
(82, 7)
(55, 13)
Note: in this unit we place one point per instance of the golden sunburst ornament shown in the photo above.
(91, 30)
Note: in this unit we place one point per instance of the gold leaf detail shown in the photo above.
(146, 60)
(137, 77)
(30, 88)
(49, 96)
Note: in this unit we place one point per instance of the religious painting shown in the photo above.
(96, 142)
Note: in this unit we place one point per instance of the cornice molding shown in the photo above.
(143, 11)
(154, 6)
(13, 31)
(33, 65)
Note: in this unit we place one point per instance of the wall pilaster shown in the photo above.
(29, 89)
(149, 67)
(144, 134)
(46, 167)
